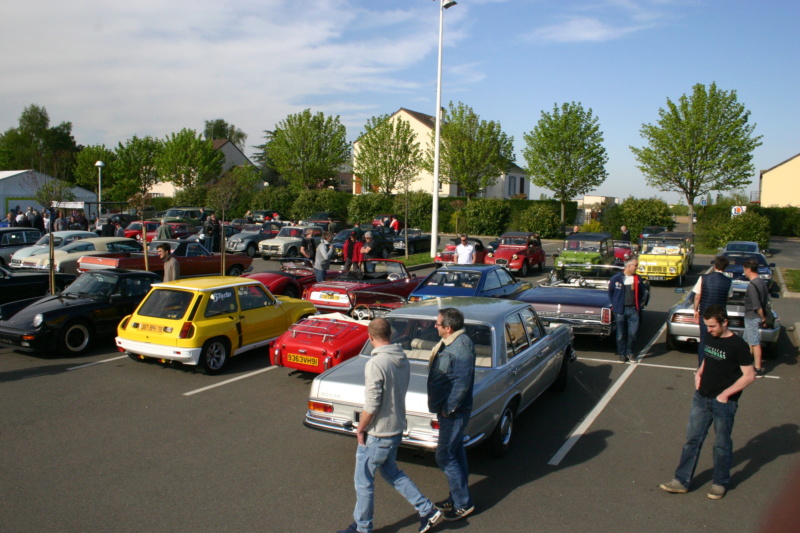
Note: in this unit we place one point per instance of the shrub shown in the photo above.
(593, 226)
(487, 216)
(420, 207)
(363, 207)
(636, 214)
(542, 218)
(718, 227)
(281, 199)
(308, 202)
(191, 197)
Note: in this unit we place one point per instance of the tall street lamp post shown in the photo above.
(99, 166)
(443, 4)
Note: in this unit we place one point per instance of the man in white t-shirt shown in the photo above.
(465, 252)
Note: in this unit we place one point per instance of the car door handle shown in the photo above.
(515, 371)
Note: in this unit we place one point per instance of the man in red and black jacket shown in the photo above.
(627, 295)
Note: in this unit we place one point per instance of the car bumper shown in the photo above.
(580, 327)
(691, 332)
(187, 356)
(29, 340)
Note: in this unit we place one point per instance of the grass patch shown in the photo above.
(416, 259)
(792, 278)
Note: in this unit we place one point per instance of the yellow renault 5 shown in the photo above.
(205, 321)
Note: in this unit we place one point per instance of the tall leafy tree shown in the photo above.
(220, 129)
(86, 174)
(308, 149)
(388, 156)
(565, 153)
(134, 167)
(473, 152)
(188, 160)
(702, 143)
(35, 144)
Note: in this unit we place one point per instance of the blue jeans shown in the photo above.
(701, 345)
(319, 274)
(452, 457)
(704, 412)
(627, 326)
(380, 453)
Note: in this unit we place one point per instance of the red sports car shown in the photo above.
(386, 277)
(623, 250)
(317, 343)
(179, 230)
(448, 255)
(518, 252)
(135, 228)
(294, 277)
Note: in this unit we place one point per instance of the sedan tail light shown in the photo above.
(320, 406)
(605, 316)
(435, 423)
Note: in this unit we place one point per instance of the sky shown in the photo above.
(118, 69)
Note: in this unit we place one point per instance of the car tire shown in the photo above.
(214, 356)
(560, 383)
(291, 292)
(292, 252)
(385, 253)
(541, 266)
(499, 442)
(265, 257)
(437, 265)
(235, 270)
(75, 338)
(411, 249)
(523, 270)
(251, 250)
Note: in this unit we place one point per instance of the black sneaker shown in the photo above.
(352, 528)
(458, 514)
(445, 505)
(632, 358)
(623, 359)
(760, 372)
(427, 522)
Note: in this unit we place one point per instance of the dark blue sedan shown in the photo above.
(735, 269)
(469, 280)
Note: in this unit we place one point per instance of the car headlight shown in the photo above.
(515, 256)
(765, 276)
(38, 320)
(490, 255)
(673, 270)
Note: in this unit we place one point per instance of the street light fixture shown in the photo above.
(443, 4)
(99, 166)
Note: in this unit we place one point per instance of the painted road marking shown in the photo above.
(98, 362)
(221, 383)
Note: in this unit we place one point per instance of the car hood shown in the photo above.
(48, 305)
(30, 250)
(285, 240)
(563, 295)
(579, 257)
(433, 292)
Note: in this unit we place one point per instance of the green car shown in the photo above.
(186, 215)
(586, 249)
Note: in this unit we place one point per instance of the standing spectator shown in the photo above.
(380, 431)
(172, 269)
(106, 228)
(465, 251)
(626, 234)
(249, 216)
(387, 222)
(351, 250)
(308, 248)
(322, 259)
(724, 373)
(276, 217)
(575, 229)
(627, 296)
(368, 251)
(83, 221)
(755, 309)
(47, 221)
(214, 233)
(22, 221)
(119, 231)
(203, 216)
(12, 220)
(395, 224)
(164, 231)
(450, 379)
(61, 223)
(712, 288)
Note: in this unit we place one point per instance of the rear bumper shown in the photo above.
(188, 356)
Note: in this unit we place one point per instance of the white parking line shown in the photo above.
(98, 362)
(221, 383)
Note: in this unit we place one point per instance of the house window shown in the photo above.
(512, 185)
(522, 186)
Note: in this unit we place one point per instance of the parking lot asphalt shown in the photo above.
(103, 443)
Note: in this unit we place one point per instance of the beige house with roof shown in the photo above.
(509, 184)
(780, 185)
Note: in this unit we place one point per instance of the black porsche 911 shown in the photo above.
(23, 285)
(69, 322)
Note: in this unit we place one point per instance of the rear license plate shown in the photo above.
(151, 327)
(330, 296)
(302, 359)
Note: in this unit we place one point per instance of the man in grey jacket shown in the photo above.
(380, 430)
(322, 259)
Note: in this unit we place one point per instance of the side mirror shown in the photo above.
(115, 298)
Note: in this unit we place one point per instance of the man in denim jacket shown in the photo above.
(627, 295)
(450, 379)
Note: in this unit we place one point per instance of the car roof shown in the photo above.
(122, 272)
(673, 234)
(476, 268)
(209, 283)
(588, 236)
(516, 234)
(474, 308)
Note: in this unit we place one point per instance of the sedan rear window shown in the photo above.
(166, 303)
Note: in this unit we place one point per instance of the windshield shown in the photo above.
(45, 241)
(343, 235)
(291, 232)
(174, 213)
(662, 247)
(741, 247)
(739, 259)
(410, 232)
(514, 241)
(96, 284)
(166, 303)
(454, 278)
(582, 246)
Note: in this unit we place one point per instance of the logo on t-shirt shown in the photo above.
(716, 353)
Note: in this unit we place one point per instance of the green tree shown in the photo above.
(486, 216)
(234, 191)
(308, 150)
(188, 161)
(541, 218)
(86, 174)
(279, 199)
(220, 129)
(134, 167)
(474, 153)
(388, 156)
(702, 143)
(565, 153)
(363, 207)
(636, 214)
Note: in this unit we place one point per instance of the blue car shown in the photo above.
(735, 269)
(469, 280)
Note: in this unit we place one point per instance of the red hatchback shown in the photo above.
(518, 252)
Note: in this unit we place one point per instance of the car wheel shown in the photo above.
(251, 251)
(541, 266)
(523, 271)
(385, 253)
(75, 338)
(235, 270)
(411, 249)
(500, 439)
(560, 383)
(672, 343)
(265, 257)
(292, 252)
(437, 265)
(214, 356)
(290, 292)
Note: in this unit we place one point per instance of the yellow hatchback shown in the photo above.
(205, 321)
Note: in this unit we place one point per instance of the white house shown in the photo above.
(18, 188)
(779, 186)
(509, 184)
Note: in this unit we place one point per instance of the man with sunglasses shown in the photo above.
(465, 251)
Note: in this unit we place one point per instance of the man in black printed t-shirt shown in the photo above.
(726, 370)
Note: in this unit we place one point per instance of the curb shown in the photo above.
(785, 292)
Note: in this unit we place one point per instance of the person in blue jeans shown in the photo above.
(380, 431)
(627, 295)
(450, 378)
(726, 370)
(712, 288)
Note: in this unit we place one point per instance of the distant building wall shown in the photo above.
(780, 185)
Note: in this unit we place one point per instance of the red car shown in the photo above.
(135, 228)
(623, 250)
(448, 255)
(180, 230)
(518, 252)
(385, 277)
(294, 277)
(318, 343)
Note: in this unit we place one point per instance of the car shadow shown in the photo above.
(34, 372)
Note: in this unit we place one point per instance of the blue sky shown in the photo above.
(151, 67)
